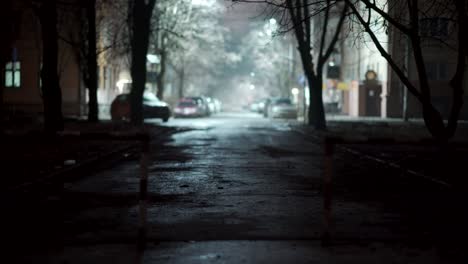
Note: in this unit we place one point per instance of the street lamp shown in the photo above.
(203, 2)
(152, 58)
(295, 93)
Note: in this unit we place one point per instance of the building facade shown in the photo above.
(21, 81)
(361, 59)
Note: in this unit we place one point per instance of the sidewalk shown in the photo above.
(380, 127)
(427, 162)
(28, 157)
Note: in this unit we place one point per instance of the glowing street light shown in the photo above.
(203, 2)
(295, 91)
(153, 58)
(251, 87)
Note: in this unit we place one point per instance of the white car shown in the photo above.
(282, 108)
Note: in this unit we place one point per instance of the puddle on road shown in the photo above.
(279, 152)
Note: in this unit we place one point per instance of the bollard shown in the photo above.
(143, 197)
(327, 191)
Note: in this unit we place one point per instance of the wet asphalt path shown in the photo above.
(232, 177)
(232, 188)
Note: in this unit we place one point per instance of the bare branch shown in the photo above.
(337, 33)
(386, 16)
(324, 35)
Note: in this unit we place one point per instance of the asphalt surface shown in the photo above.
(239, 188)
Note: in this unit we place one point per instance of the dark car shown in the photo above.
(152, 107)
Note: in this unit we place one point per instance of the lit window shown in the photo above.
(13, 74)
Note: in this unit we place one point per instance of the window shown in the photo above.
(434, 27)
(436, 71)
(443, 74)
(13, 74)
(431, 71)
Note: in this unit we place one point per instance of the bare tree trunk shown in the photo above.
(181, 82)
(52, 95)
(3, 60)
(2, 81)
(316, 109)
(141, 11)
(7, 29)
(457, 81)
(93, 107)
(160, 77)
(300, 16)
(316, 112)
(433, 121)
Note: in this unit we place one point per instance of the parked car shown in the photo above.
(152, 107)
(202, 104)
(258, 106)
(190, 107)
(282, 108)
(254, 106)
(262, 104)
(218, 105)
(266, 107)
(211, 105)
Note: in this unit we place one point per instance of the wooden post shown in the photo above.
(143, 197)
(327, 191)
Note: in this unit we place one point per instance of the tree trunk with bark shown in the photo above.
(317, 112)
(9, 35)
(160, 77)
(140, 17)
(52, 95)
(299, 11)
(181, 82)
(92, 68)
(2, 87)
(3, 61)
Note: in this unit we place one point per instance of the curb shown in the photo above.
(71, 172)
